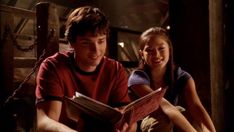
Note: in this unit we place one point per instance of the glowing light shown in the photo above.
(168, 27)
(121, 44)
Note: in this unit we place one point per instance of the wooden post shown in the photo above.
(47, 29)
(6, 54)
(216, 60)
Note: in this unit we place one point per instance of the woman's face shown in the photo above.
(156, 52)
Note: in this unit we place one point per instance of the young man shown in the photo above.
(84, 69)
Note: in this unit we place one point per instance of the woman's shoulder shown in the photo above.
(180, 73)
(139, 73)
(138, 77)
(181, 78)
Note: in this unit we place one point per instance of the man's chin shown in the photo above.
(94, 63)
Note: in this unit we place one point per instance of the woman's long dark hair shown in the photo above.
(144, 39)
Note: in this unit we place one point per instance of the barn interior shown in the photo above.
(201, 32)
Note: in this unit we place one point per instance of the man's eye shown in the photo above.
(101, 41)
(85, 43)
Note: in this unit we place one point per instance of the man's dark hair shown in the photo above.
(86, 19)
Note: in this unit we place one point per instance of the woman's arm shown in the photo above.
(48, 114)
(141, 90)
(195, 107)
(176, 117)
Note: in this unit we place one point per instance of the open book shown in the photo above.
(131, 113)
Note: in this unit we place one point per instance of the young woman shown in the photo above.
(158, 70)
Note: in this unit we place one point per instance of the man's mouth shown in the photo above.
(93, 57)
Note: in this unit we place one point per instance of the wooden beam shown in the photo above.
(6, 54)
(12, 2)
(216, 26)
(73, 3)
(18, 11)
(47, 29)
(22, 62)
(24, 36)
(23, 21)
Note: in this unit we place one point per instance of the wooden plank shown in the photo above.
(6, 55)
(217, 69)
(24, 36)
(63, 41)
(22, 62)
(18, 11)
(74, 3)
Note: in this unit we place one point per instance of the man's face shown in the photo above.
(89, 50)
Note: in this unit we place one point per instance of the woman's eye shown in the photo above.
(161, 48)
(149, 50)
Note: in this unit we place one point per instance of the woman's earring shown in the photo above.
(143, 61)
(141, 57)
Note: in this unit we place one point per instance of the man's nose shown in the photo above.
(94, 47)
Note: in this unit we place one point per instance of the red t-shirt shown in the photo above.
(58, 76)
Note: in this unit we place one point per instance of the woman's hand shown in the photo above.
(126, 127)
(123, 129)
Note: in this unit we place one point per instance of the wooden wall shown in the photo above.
(202, 33)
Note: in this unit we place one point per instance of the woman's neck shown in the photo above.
(157, 76)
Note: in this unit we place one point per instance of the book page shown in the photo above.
(133, 112)
(94, 108)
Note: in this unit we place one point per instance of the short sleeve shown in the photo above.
(182, 77)
(138, 77)
(48, 83)
(181, 74)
